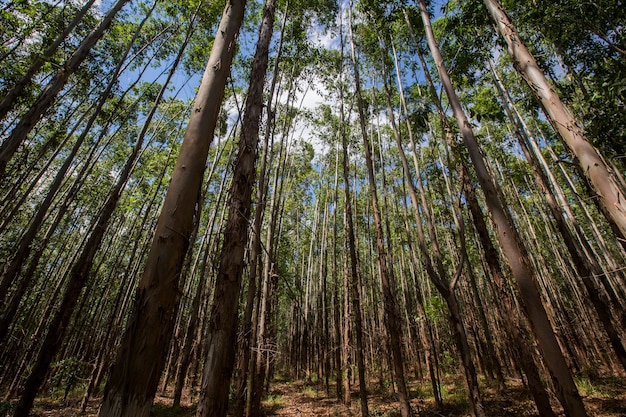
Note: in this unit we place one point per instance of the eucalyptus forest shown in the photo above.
(290, 207)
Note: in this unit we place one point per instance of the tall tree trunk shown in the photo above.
(438, 275)
(511, 246)
(223, 320)
(391, 315)
(336, 301)
(325, 337)
(255, 247)
(192, 322)
(346, 357)
(520, 344)
(352, 249)
(605, 187)
(257, 367)
(135, 375)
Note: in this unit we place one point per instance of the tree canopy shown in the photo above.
(207, 197)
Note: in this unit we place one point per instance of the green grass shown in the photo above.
(424, 390)
(309, 392)
(275, 401)
(587, 389)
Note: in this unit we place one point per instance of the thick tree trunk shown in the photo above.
(208, 242)
(133, 382)
(223, 320)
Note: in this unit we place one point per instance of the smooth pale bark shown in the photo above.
(48, 95)
(208, 240)
(140, 361)
(352, 249)
(605, 186)
(387, 280)
(511, 246)
(223, 321)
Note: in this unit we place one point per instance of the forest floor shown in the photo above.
(603, 398)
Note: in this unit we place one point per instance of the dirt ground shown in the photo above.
(602, 399)
(605, 398)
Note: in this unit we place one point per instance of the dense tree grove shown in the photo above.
(198, 198)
